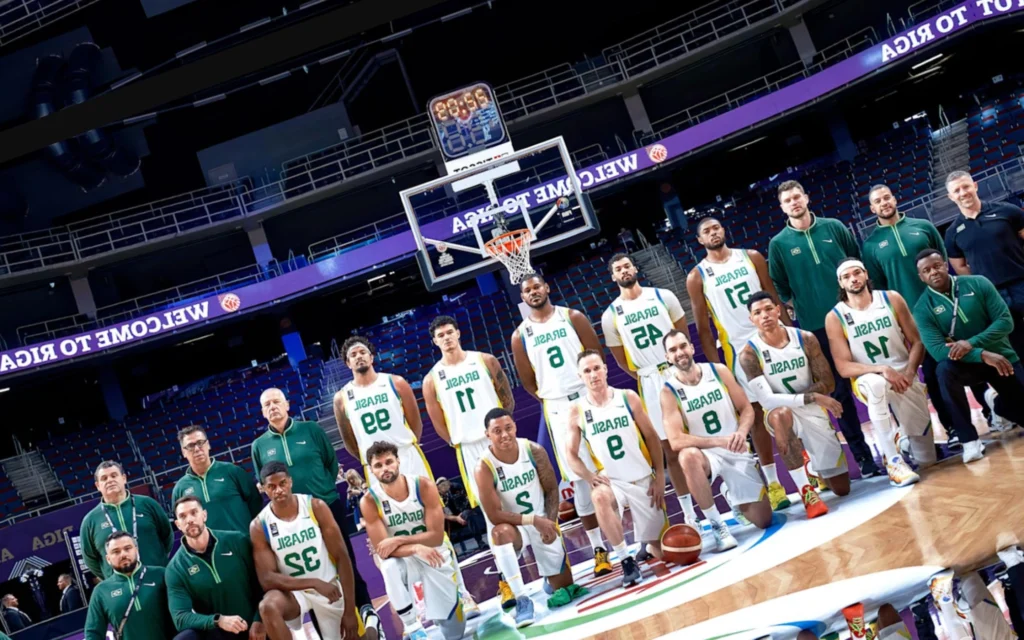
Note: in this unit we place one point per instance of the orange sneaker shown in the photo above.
(812, 503)
(854, 615)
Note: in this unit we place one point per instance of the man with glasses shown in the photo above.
(228, 493)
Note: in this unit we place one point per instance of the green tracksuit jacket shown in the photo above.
(149, 619)
(890, 255)
(311, 460)
(983, 319)
(155, 534)
(228, 494)
(803, 264)
(228, 585)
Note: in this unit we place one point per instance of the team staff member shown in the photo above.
(227, 493)
(212, 589)
(965, 325)
(141, 516)
(985, 240)
(132, 600)
(312, 464)
(70, 595)
(801, 258)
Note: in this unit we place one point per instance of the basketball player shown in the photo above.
(719, 287)
(378, 407)
(627, 453)
(792, 379)
(301, 562)
(543, 347)
(634, 325)
(707, 419)
(405, 524)
(459, 391)
(869, 332)
(519, 494)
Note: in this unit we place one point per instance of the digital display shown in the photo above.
(467, 120)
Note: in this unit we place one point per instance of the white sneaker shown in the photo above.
(723, 539)
(998, 423)
(900, 473)
(973, 451)
(1011, 556)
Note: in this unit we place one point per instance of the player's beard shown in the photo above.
(684, 364)
(627, 282)
(716, 246)
(387, 477)
(853, 292)
(363, 369)
(537, 305)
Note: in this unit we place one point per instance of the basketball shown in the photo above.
(566, 511)
(681, 544)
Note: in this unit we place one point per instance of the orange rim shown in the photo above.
(507, 243)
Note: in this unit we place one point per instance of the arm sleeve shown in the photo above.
(935, 240)
(90, 554)
(675, 310)
(771, 400)
(95, 619)
(249, 492)
(180, 604)
(611, 332)
(845, 237)
(932, 337)
(875, 271)
(777, 271)
(1000, 320)
(952, 251)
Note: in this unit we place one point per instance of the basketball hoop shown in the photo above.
(512, 249)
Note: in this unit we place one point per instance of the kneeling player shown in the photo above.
(623, 444)
(405, 524)
(869, 332)
(519, 494)
(301, 562)
(707, 419)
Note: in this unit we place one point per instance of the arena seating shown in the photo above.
(995, 130)
(10, 502)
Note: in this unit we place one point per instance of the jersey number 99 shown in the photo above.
(379, 420)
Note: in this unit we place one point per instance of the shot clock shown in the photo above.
(467, 121)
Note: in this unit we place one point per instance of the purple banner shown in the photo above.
(41, 537)
(403, 244)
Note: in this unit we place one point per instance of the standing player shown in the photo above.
(405, 524)
(634, 325)
(378, 407)
(623, 443)
(459, 391)
(719, 287)
(301, 562)
(869, 332)
(792, 379)
(543, 347)
(707, 417)
(519, 494)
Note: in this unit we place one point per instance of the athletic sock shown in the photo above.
(884, 435)
(799, 478)
(621, 552)
(770, 473)
(409, 620)
(508, 564)
(594, 535)
(686, 502)
(712, 512)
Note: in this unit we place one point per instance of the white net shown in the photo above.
(512, 249)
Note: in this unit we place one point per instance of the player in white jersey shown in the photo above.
(869, 332)
(519, 494)
(626, 450)
(301, 562)
(405, 525)
(543, 347)
(459, 391)
(792, 379)
(378, 407)
(708, 417)
(634, 325)
(719, 287)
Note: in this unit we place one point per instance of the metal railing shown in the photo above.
(754, 89)
(927, 8)
(19, 18)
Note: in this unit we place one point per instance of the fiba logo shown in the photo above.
(230, 302)
(657, 153)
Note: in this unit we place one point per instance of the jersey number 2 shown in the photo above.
(310, 562)
(523, 500)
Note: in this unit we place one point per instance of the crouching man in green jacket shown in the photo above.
(133, 600)
(212, 587)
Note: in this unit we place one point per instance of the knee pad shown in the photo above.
(451, 629)
(875, 390)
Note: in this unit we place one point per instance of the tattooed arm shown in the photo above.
(501, 384)
(769, 399)
(821, 373)
(548, 481)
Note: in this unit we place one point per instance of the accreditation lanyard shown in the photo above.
(131, 604)
(956, 307)
(135, 519)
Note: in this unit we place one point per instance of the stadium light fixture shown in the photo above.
(928, 61)
(5, 390)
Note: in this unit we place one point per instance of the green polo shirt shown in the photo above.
(227, 585)
(228, 494)
(890, 255)
(155, 539)
(982, 319)
(310, 457)
(803, 264)
(149, 619)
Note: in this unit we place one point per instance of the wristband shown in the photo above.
(527, 520)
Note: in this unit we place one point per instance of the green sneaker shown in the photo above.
(565, 595)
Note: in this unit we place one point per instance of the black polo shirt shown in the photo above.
(990, 242)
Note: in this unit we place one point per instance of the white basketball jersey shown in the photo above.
(641, 325)
(552, 348)
(376, 414)
(787, 370)
(402, 518)
(299, 543)
(614, 440)
(706, 406)
(517, 483)
(874, 334)
(727, 287)
(466, 393)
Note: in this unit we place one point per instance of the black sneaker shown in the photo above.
(869, 469)
(953, 442)
(630, 572)
(372, 621)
